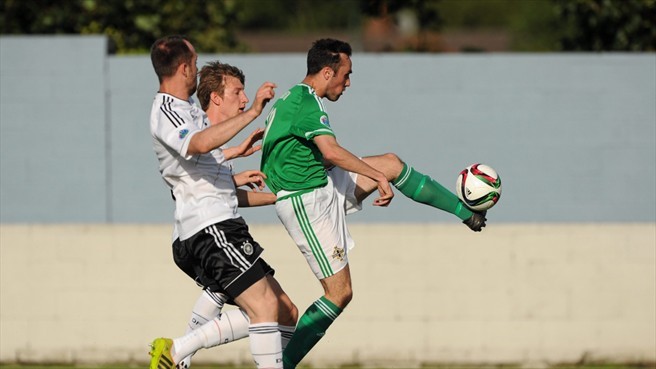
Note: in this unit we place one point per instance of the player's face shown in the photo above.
(192, 80)
(340, 80)
(234, 98)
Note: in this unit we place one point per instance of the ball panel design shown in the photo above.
(479, 187)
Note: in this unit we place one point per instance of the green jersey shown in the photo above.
(290, 159)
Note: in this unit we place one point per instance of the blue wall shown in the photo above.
(573, 136)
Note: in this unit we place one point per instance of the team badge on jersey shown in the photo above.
(324, 120)
(247, 247)
(183, 133)
(338, 253)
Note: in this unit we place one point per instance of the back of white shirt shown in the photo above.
(201, 184)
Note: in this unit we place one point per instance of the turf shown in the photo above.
(594, 366)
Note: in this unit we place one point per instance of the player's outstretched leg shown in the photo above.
(413, 184)
(207, 307)
(424, 189)
(232, 325)
(160, 353)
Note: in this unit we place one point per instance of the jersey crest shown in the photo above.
(324, 120)
(338, 253)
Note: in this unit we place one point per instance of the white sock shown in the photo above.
(286, 332)
(232, 325)
(266, 345)
(207, 307)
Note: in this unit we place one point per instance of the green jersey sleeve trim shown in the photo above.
(319, 132)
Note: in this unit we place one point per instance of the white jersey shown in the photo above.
(201, 184)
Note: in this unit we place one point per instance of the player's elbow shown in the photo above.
(330, 156)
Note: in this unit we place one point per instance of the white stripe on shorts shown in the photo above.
(228, 248)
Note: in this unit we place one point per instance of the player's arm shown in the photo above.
(255, 180)
(251, 178)
(246, 148)
(337, 155)
(247, 198)
(214, 136)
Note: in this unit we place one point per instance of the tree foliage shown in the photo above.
(608, 25)
(213, 25)
(426, 11)
(131, 25)
(294, 16)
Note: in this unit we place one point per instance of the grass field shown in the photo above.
(596, 366)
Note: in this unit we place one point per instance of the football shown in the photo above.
(479, 187)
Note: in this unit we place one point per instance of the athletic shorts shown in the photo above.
(344, 183)
(222, 258)
(316, 221)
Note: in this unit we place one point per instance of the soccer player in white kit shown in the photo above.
(221, 94)
(213, 238)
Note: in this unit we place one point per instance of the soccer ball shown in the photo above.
(479, 187)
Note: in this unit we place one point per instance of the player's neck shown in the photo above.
(214, 115)
(175, 89)
(313, 82)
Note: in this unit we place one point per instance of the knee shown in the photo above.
(267, 308)
(288, 313)
(393, 158)
(292, 315)
(271, 302)
(394, 165)
(347, 297)
(342, 298)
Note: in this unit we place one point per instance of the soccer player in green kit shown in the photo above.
(318, 182)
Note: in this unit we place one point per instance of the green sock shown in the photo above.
(310, 329)
(425, 190)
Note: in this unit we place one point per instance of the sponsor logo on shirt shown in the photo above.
(183, 133)
(324, 120)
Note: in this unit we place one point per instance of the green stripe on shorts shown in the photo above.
(311, 237)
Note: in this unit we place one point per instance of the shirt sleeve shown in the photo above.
(312, 125)
(175, 129)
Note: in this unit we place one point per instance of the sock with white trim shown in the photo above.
(207, 307)
(286, 333)
(232, 325)
(423, 189)
(310, 329)
(266, 345)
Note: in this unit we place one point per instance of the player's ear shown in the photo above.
(328, 73)
(184, 69)
(216, 99)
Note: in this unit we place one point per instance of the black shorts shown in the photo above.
(222, 258)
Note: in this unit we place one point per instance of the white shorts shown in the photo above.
(344, 183)
(316, 221)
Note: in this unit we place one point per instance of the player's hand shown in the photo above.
(264, 94)
(476, 222)
(251, 178)
(385, 192)
(247, 147)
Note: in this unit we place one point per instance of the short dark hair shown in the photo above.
(325, 53)
(212, 79)
(167, 53)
